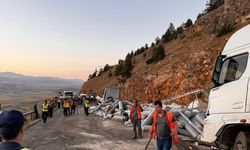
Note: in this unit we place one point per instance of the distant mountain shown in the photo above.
(14, 81)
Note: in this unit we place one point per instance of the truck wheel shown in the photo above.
(242, 141)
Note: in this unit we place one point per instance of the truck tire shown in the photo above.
(242, 141)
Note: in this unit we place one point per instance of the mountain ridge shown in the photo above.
(13, 81)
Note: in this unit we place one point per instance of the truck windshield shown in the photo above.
(233, 68)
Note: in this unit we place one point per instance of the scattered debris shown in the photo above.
(190, 118)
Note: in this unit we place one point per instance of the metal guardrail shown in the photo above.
(202, 91)
(30, 116)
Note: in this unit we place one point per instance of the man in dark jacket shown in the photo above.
(11, 130)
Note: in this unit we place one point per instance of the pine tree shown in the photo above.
(146, 46)
(213, 4)
(188, 23)
(170, 33)
(157, 40)
(106, 68)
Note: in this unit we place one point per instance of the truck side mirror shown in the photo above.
(217, 70)
(218, 64)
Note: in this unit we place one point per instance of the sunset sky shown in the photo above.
(70, 38)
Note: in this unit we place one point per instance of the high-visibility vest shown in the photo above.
(45, 107)
(24, 149)
(86, 103)
(169, 117)
(66, 105)
(139, 110)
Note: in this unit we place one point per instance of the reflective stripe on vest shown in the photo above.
(138, 112)
(45, 107)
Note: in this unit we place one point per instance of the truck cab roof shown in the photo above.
(239, 40)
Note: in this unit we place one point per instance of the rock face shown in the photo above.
(189, 60)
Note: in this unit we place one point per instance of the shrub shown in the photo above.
(157, 55)
(110, 73)
(179, 30)
(226, 28)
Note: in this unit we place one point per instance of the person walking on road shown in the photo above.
(59, 103)
(164, 127)
(73, 107)
(11, 130)
(86, 106)
(136, 116)
(36, 111)
(51, 109)
(45, 111)
(66, 107)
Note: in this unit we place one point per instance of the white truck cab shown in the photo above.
(227, 124)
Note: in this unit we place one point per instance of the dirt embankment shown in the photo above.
(189, 60)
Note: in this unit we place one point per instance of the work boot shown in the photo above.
(135, 137)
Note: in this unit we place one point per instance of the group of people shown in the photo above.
(68, 105)
(164, 126)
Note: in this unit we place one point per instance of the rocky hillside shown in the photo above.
(189, 59)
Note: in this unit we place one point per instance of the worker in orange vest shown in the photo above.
(164, 127)
(136, 116)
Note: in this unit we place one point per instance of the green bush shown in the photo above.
(110, 73)
(179, 30)
(157, 55)
(226, 28)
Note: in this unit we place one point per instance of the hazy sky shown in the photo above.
(70, 38)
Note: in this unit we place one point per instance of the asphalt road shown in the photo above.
(80, 132)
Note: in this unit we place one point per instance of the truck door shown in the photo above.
(230, 95)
